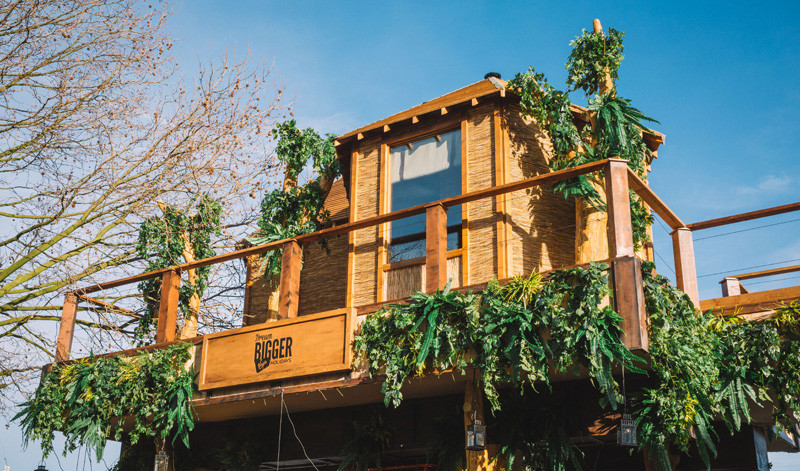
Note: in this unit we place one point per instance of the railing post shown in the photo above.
(730, 286)
(629, 301)
(168, 306)
(685, 271)
(435, 248)
(620, 229)
(66, 329)
(290, 280)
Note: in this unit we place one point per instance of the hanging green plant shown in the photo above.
(91, 400)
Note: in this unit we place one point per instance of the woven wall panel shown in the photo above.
(402, 282)
(323, 280)
(481, 214)
(540, 224)
(365, 242)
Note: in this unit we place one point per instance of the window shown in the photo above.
(424, 171)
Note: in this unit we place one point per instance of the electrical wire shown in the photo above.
(294, 431)
(748, 268)
(745, 230)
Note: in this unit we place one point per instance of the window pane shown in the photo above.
(424, 171)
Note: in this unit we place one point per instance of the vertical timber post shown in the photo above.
(290, 280)
(66, 329)
(626, 267)
(685, 271)
(620, 229)
(168, 306)
(435, 248)
(731, 286)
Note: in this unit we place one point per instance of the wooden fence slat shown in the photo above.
(66, 329)
(290, 280)
(168, 306)
(685, 271)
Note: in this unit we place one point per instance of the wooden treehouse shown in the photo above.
(458, 190)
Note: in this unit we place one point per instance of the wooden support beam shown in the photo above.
(386, 128)
(359, 136)
(168, 306)
(474, 102)
(770, 272)
(685, 271)
(620, 229)
(648, 196)
(435, 248)
(414, 120)
(66, 329)
(443, 111)
(761, 213)
(629, 302)
(290, 280)
(731, 286)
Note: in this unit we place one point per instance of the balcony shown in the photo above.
(299, 355)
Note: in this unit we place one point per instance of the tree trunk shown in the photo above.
(190, 323)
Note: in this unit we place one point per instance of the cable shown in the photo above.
(745, 230)
(294, 430)
(749, 268)
(280, 433)
(666, 263)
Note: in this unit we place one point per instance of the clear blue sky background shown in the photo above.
(721, 77)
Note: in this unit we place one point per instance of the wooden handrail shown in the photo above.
(656, 204)
(763, 273)
(761, 213)
(362, 224)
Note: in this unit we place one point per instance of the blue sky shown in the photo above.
(721, 77)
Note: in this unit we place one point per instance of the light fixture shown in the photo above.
(476, 436)
(41, 466)
(162, 461)
(626, 431)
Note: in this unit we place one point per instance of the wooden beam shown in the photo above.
(752, 302)
(731, 286)
(761, 213)
(435, 248)
(685, 271)
(66, 328)
(386, 128)
(443, 111)
(290, 280)
(620, 229)
(629, 302)
(414, 120)
(539, 180)
(499, 155)
(107, 306)
(648, 196)
(474, 102)
(770, 272)
(359, 136)
(168, 306)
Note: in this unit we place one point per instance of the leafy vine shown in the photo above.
(165, 241)
(85, 400)
(615, 127)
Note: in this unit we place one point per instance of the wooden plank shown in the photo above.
(384, 196)
(66, 328)
(629, 302)
(464, 212)
(761, 213)
(620, 230)
(538, 180)
(168, 306)
(348, 297)
(107, 306)
(770, 272)
(652, 200)
(302, 346)
(752, 302)
(290, 280)
(731, 286)
(500, 200)
(476, 90)
(685, 271)
(435, 248)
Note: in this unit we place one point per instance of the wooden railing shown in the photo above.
(627, 276)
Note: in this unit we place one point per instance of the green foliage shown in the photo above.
(593, 55)
(615, 128)
(431, 332)
(84, 398)
(369, 439)
(161, 243)
(296, 210)
(502, 333)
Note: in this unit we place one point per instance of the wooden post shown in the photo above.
(435, 248)
(66, 329)
(629, 302)
(290, 280)
(620, 229)
(168, 306)
(730, 286)
(685, 271)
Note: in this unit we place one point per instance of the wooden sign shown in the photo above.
(301, 346)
